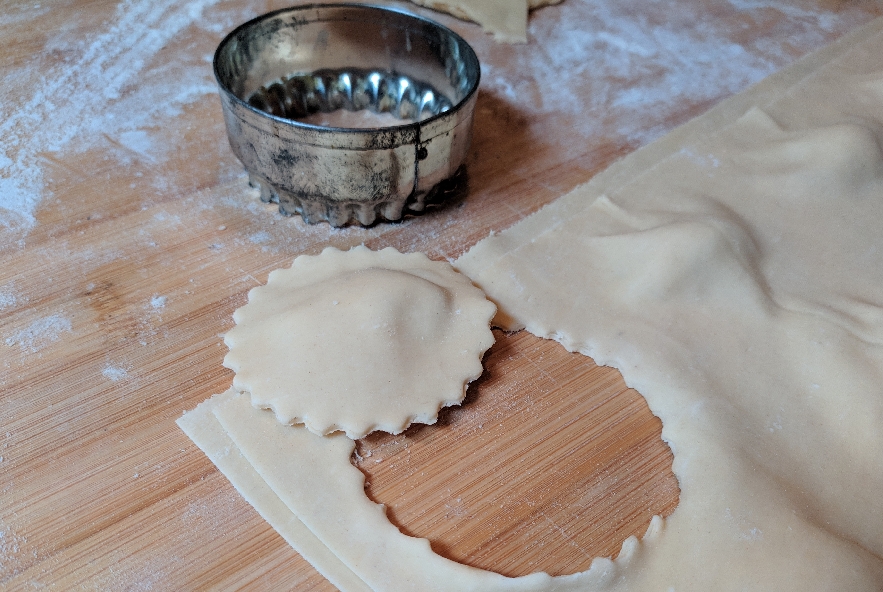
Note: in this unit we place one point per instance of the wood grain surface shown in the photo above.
(128, 236)
(550, 462)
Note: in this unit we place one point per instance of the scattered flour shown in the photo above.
(632, 58)
(8, 299)
(85, 98)
(114, 373)
(139, 143)
(40, 333)
(260, 238)
(625, 59)
(10, 548)
(14, 14)
(158, 302)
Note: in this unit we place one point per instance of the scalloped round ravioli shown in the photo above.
(360, 340)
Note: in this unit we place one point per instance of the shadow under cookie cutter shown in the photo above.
(322, 58)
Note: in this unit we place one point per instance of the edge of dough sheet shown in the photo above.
(203, 428)
(490, 252)
(506, 20)
(645, 158)
(318, 483)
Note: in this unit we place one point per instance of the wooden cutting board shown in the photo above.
(130, 236)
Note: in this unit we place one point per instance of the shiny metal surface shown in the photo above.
(294, 62)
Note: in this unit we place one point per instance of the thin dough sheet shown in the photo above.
(203, 428)
(316, 481)
(734, 274)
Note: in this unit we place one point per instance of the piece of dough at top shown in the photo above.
(506, 20)
(360, 341)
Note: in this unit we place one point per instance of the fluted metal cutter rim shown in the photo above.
(442, 134)
(215, 61)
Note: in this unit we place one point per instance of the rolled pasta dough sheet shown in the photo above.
(734, 275)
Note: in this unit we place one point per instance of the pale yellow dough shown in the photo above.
(506, 20)
(733, 272)
(201, 426)
(313, 477)
(360, 340)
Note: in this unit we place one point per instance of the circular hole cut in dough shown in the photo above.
(557, 462)
(360, 340)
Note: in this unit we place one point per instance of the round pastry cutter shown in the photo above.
(295, 62)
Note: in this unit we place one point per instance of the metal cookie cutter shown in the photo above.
(298, 61)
